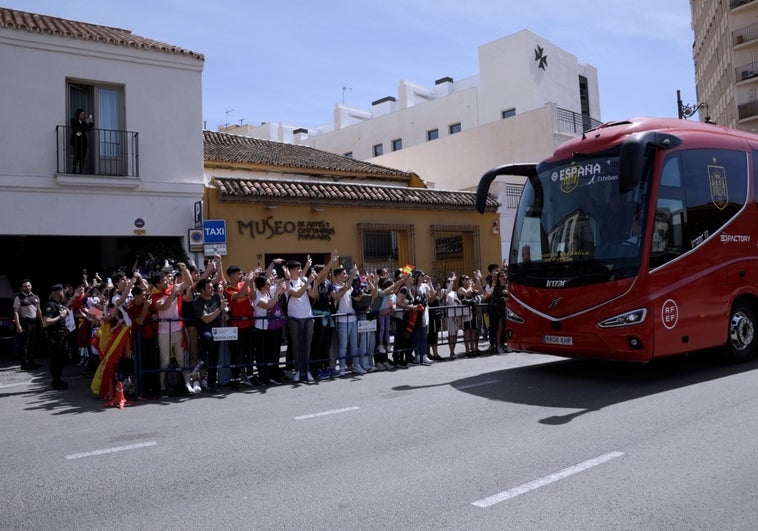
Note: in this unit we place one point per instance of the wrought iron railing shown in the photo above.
(738, 3)
(513, 195)
(746, 34)
(574, 122)
(747, 110)
(108, 152)
(745, 72)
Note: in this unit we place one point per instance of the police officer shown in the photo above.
(26, 314)
(54, 325)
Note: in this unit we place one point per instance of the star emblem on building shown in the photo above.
(540, 57)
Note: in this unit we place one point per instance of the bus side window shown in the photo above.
(670, 216)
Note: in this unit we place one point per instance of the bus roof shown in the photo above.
(611, 133)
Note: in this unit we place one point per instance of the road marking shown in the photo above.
(541, 482)
(477, 384)
(322, 413)
(111, 450)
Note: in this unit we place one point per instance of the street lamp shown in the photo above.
(685, 111)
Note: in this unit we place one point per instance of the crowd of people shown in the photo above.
(184, 330)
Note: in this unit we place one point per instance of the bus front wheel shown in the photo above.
(742, 327)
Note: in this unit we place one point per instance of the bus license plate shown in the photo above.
(559, 340)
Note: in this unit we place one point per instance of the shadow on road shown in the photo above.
(590, 385)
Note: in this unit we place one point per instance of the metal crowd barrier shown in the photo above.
(446, 320)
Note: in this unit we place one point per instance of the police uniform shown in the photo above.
(57, 335)
(26, 306)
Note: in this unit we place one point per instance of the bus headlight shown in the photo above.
(625, 319)
(515, 318)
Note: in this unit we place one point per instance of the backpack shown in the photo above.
(276, 317)
(175, 385)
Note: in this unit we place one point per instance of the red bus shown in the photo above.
(635, 241)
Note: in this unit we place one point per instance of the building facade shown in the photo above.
(135, 186)
(286, 201)
(725, 52)
(529, 97)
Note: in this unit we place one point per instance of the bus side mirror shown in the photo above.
(483, 189)
(633, 156)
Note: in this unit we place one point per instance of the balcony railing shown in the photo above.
(513, 194)
(573, 122)
(746, 34)
(109, 152)
(738, 3)
(747, 110)
(745, 72)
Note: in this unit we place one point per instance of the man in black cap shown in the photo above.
(54, 324)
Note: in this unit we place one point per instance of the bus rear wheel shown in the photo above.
(741, 343)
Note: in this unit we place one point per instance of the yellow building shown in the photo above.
(288, 201)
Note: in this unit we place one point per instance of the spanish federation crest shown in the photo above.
(719, 191)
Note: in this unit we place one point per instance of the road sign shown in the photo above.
(214, 248)
(214, 231)
(195, 237)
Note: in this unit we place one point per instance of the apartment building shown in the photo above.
(725, 52)
(529, 97)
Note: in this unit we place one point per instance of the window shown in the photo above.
(432, 134)
(700, 191)
(349, 154)
(378, 150)
(455, 250)
(108, 145)
(397, 144)
(508, 113)
(454, 128)
(389, 246)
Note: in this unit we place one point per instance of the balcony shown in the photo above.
(573, 122)
(744, 35)
(110, 153)
(747, 110)
(745, 72)
(738, 3)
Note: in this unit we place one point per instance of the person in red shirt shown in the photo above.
(145, 342)
(237, 293)
(167, 302)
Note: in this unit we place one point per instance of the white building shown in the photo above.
(528, 97)
(139, 184)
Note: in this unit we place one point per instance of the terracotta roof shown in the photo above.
(33, 22)
(246, 151)
(270, 191)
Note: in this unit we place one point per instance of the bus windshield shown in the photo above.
(574, 224)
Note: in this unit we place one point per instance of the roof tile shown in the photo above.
(33, 22)
(343, 194)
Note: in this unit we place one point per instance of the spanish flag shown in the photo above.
(407, 268)
(117, 342)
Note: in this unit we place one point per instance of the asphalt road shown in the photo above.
(514, 441)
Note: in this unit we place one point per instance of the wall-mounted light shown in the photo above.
(317, 209)
(270, 207)
(685, 111)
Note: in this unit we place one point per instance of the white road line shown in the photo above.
(322, 413)
(541, 482)
(477, 384)
(111, 450)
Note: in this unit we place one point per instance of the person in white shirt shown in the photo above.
(347, 328)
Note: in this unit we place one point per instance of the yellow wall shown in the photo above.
(254, 231)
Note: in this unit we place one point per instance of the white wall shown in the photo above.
(163, 104)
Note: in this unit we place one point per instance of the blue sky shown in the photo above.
(274, 61)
